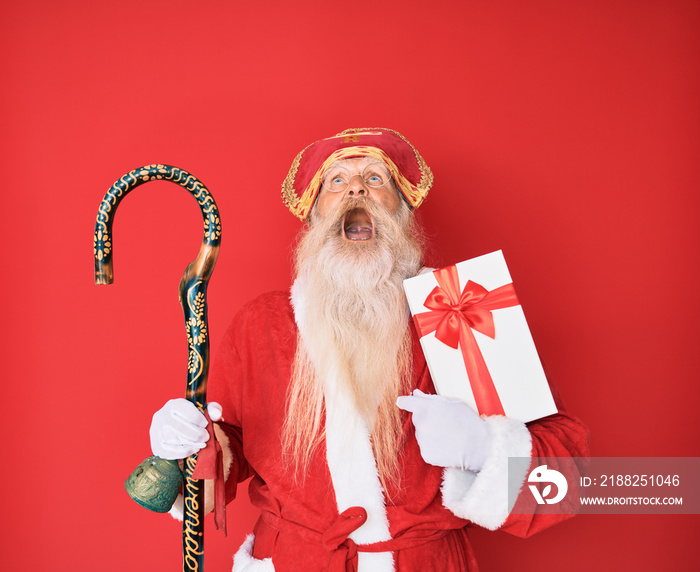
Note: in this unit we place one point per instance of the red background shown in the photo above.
(564, 133)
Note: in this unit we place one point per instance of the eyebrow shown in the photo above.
(365, 162)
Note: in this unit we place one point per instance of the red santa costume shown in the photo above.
(337, 515)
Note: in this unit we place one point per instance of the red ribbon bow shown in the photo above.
(453, 316)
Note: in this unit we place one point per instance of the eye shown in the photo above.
(376, 175)
(336, 179)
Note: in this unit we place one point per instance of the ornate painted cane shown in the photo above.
(192, 293)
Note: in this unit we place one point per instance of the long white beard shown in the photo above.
(353, 327)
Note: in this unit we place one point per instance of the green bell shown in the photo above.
(155, 484)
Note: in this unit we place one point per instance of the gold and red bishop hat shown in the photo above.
(408, 169)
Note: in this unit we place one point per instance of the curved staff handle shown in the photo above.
(192, 293)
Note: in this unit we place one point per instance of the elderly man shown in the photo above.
(326, 399)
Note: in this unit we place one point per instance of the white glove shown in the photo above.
(448, 431)
(178, 429)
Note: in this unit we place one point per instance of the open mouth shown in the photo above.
(358, 225)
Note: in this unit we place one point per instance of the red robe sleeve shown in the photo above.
(224, 388)
(483, 498)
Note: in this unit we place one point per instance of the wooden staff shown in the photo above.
(192, 294)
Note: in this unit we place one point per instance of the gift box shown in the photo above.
(476, 340)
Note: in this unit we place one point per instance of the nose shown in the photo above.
(357, 187)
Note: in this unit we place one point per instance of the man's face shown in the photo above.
(364, 176)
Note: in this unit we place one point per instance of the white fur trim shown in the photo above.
(177, 510)
(351, 461)
(355, 477)
(298, 305)
(483, 497)
(243, 561)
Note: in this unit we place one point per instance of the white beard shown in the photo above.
(353, 326)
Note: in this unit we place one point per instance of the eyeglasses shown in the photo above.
(338, 178)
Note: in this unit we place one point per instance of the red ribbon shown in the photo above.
(453, 316)
(210, 465)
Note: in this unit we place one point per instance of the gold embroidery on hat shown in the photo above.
(301, 206)
(356, 133)
(402, 182)
(289, 195)
(417, 196)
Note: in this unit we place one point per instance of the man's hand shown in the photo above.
(448, 431)
(178, 429)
